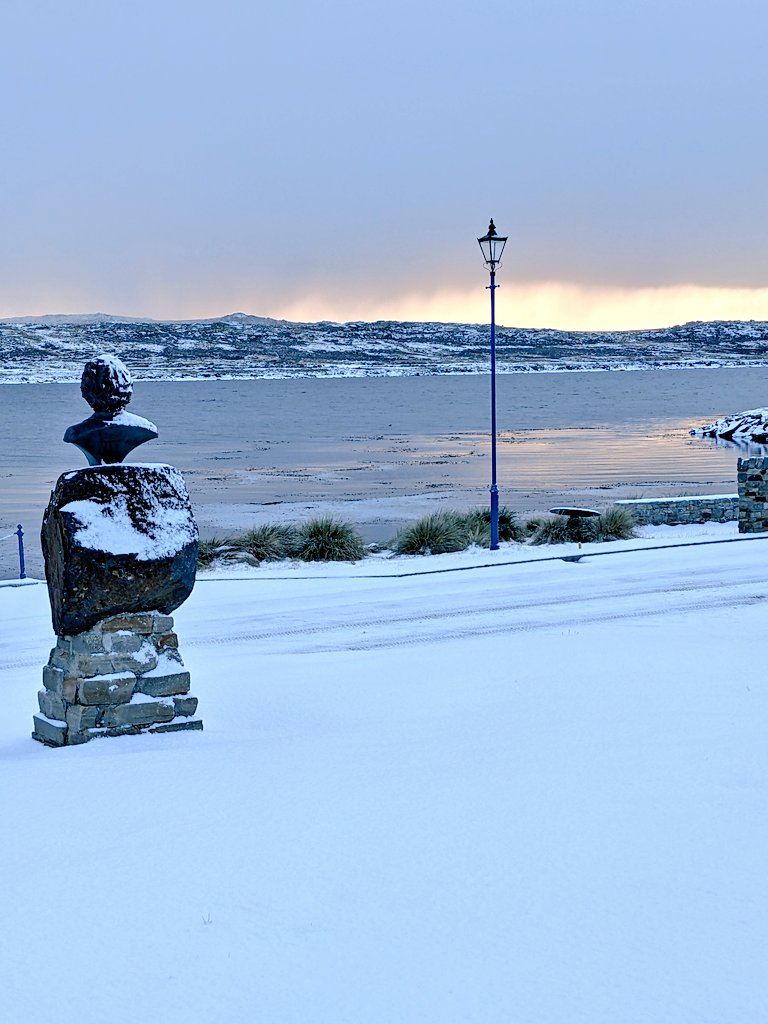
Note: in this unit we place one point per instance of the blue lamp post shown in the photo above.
(492, 246)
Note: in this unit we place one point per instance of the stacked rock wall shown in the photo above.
(753, 495)
(716, 508)
(124, 675)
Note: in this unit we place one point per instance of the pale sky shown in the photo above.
(330, 159)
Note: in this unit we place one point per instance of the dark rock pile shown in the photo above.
(740, 427)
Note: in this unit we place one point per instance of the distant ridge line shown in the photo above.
(241, 346)
(250, 318)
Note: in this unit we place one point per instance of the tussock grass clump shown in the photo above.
(562, 530)
(476, 530)
(531, 526)
(213, 549)
(548, 530)
(616, 523)
(328, 540)
(509, 524)
(478, 523)
(270, 542)
(441, 532)
(435, 534)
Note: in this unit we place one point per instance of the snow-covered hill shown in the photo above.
(53, 348)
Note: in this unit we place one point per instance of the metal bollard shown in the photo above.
(20, 535)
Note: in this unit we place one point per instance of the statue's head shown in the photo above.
(106, 384)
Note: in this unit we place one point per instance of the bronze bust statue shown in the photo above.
(111, 433)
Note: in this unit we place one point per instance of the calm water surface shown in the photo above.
(293, 441)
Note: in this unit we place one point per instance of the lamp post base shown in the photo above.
(494, 518)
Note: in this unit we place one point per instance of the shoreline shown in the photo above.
(64, 375)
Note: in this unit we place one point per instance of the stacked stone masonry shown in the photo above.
(721, 508)
(753, 495)
(123, 676)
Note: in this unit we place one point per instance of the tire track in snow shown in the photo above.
(421, 618)
(525, 627)
(350, 627)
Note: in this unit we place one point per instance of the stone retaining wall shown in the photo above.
(753, 495)
(705, 508)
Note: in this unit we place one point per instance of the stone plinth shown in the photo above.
(752, 475)
(123, 676)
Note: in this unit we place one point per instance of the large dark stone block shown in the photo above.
(118, 538)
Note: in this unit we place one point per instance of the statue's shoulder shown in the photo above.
(128, 419)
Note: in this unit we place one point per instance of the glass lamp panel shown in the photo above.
(485, 245)
(496, 246)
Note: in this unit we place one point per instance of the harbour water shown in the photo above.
(381, 451)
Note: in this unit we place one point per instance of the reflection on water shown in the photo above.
(599, 457)
(553, 459)
(746, 449)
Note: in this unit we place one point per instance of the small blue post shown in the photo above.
(20, 535)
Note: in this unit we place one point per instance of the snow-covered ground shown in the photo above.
(527, 793)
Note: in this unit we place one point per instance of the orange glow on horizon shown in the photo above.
(552, 304)
(542, 304)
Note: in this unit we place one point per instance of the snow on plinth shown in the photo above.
(117, 538)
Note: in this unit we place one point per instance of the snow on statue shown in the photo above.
(110, 433)
(120, 547)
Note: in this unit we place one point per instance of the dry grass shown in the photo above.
(328, 540)
(214, 549)
(435, 534)
(270, 542)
